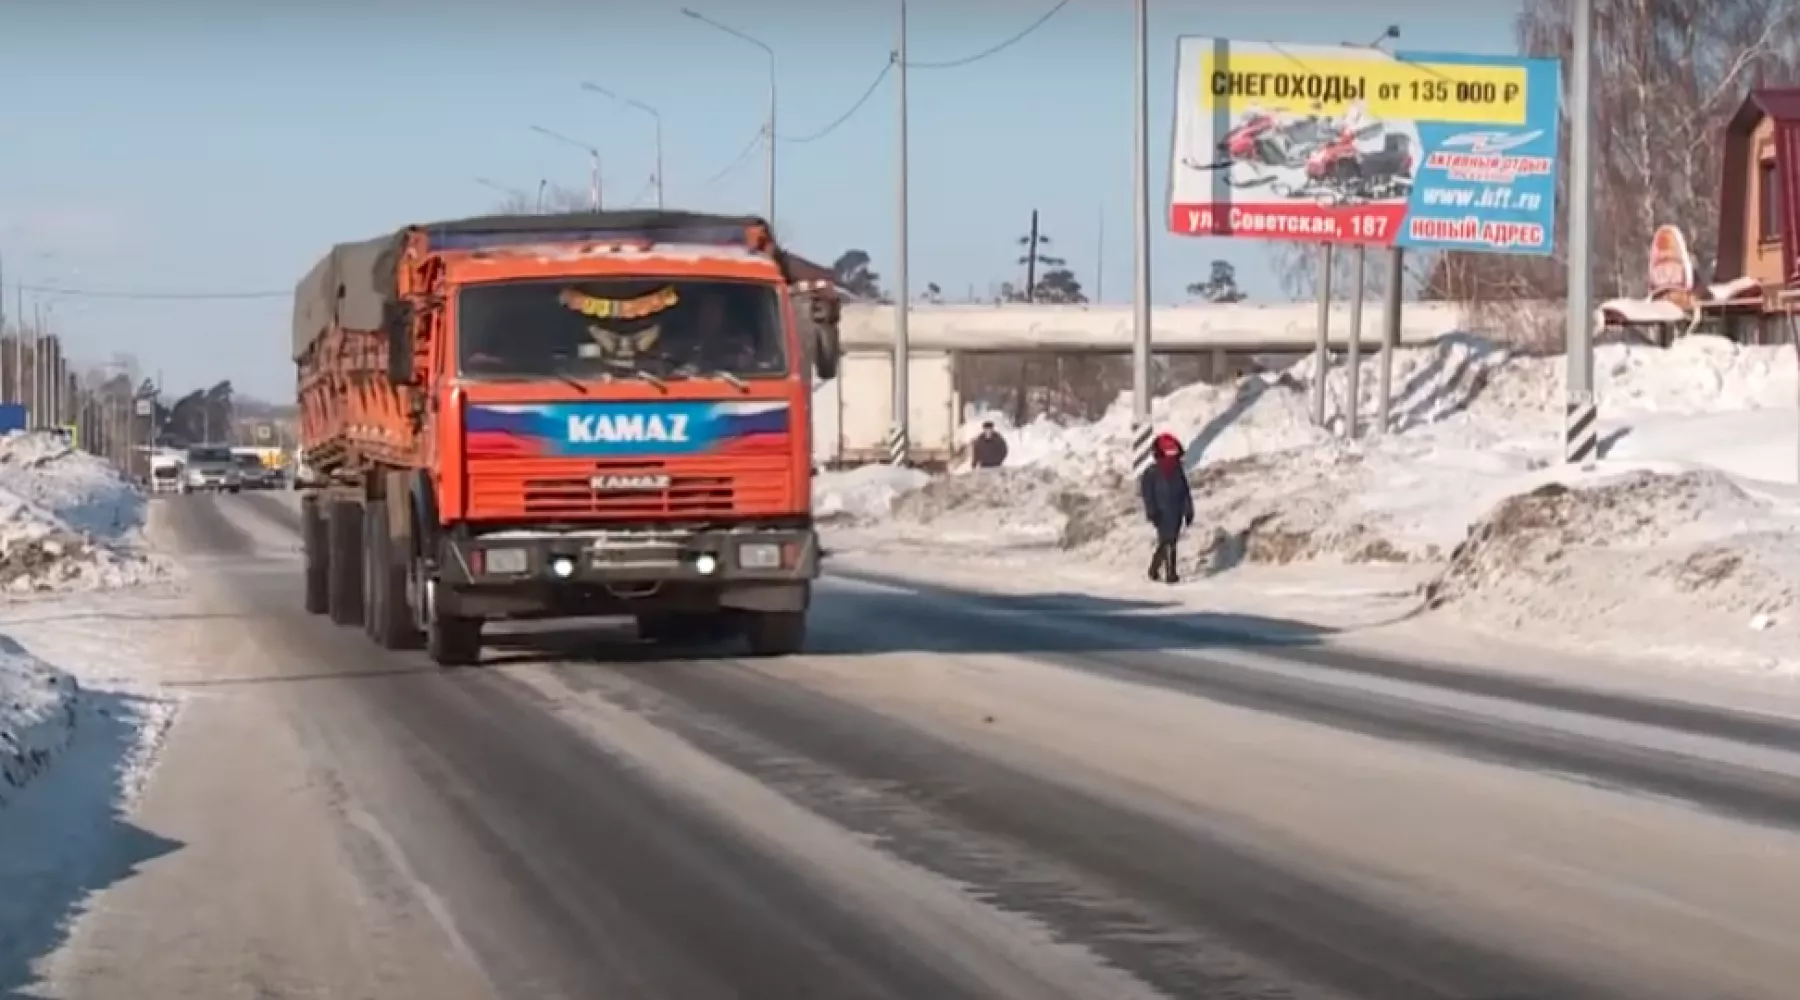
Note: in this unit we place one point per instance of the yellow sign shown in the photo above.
(638, 308)
(1301, 79)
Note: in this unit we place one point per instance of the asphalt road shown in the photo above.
(950, 796)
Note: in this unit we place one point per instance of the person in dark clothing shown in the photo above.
(988, 451)
(1168, 504)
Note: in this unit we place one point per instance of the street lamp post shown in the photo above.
(770, 127)
(593, 153)
(900, 445)
(1580, 437)
(653, 113)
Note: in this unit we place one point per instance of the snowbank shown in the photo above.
(1686, 540)
(68, 521)
(37, 717)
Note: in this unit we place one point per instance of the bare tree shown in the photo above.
(1668, 76)
(555, 198)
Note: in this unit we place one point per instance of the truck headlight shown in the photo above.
(759, 555)
(507, 561)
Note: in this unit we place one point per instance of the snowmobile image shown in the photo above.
(1269, 145)
(1340, 173)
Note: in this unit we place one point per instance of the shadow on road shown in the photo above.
(64, 837)
(923, 618)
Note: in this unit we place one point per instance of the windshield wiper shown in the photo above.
(626, 371)
(689, 371)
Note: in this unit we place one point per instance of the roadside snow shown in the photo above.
(68, 521)
(1684, 542)
(79, 714)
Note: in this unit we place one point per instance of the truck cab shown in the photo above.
(608, 414)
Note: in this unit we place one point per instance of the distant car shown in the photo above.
(253, 473)
(165, 475)
(211, 469)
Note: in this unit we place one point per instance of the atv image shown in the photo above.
(1341, 173)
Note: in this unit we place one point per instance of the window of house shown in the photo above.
(1769, 212)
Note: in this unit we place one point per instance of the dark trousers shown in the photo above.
(1162, 560)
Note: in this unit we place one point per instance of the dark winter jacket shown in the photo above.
(988, 451)
(1168, 500)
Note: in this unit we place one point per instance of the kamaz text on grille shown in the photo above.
(1335, 88)
(628, 427)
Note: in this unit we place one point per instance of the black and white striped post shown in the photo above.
(1581, 436)
(897, 445)
(1581, 442)
(1143, 436)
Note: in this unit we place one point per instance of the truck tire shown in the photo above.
(315, 545)
(390, 621)
(775, 633)
(453, 642)
(346, 562)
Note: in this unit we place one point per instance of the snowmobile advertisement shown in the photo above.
(1361, 146)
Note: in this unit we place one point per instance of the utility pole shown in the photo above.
(899, 447)
(1580, 413)
(1142, 432)
(1031, 259)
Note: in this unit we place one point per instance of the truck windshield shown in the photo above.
(623, 327)
(209, 455)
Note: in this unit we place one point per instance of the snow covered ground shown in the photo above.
(79, 717)
(1683, 542)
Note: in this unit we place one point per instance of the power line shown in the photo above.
(739, 160)
(993, 50)
(887, 68)
(874, 85)
(88, 293)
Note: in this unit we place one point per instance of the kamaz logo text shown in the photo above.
(629, 428)
(617, 483)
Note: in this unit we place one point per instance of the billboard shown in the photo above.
(1425, 150)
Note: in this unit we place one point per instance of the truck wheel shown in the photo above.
(775, 633)
(390, 621)
(453, 642)
(371, 562)
(315, 544)
(346, 562)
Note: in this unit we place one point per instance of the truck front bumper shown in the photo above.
(564, 573)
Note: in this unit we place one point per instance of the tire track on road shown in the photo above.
(1191, 915)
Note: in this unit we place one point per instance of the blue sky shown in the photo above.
(195, 146)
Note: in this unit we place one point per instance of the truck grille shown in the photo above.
(566, 491)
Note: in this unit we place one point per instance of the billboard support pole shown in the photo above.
(1390, 336)
(899, 443)
(1580, 437)
(1322, 359)
(1140, 181)
(1353, 357)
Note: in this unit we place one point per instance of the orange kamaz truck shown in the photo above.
(558, 416)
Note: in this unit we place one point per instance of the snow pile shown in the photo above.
(37, 718)
(865, 493)
(1462, 383)
(68, 520)
(1690, 524)
(1687, 562)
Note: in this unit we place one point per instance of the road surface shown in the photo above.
(950, 796)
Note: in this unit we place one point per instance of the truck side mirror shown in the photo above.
(396, 321)
(827, 344)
